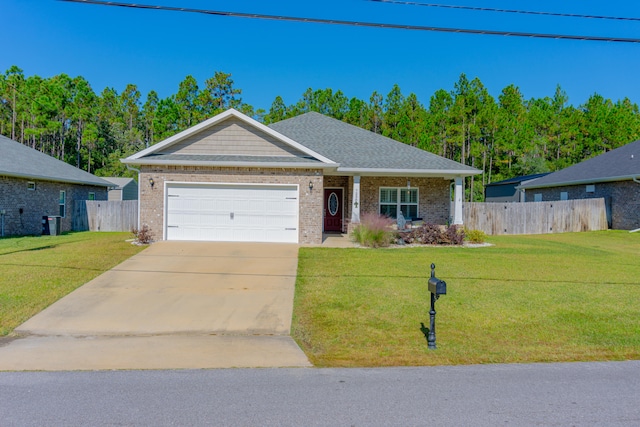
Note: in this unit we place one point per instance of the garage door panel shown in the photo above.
(240, 213)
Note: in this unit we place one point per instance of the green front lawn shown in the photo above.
(37, 271)
(559, 297)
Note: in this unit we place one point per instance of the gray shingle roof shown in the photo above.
(616, 165)
(356, 148)
(18, 160)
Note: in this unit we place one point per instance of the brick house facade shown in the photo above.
(622, 199)
(31, 183)
(187, 180)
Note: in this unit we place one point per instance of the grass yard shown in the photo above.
(37, 271)
(557, 297)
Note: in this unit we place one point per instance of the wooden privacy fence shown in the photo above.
(536, 217)
(103, 215)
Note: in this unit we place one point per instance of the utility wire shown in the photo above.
(358, 23)
(488, 9)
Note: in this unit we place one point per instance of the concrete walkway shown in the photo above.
(175, 305)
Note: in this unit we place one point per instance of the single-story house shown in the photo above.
(33, 185)
(506, 190)
(231, 178)
(614, 176)
(123, 189)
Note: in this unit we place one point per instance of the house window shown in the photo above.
(591, 188)
(394, 200)
(63, 203)
(92, 196)
(564, 195)
(31, 185)
(537, 197)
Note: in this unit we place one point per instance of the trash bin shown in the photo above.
(45, 225)
(54, 225)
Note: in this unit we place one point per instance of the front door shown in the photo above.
(332, 209)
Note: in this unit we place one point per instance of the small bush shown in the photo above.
(143, 235)
(433, 234)
(374, 231)
(475, 236)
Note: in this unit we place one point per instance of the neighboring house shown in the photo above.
(231, 178)
(506, 190)
(33, 184)
(614, 175)
(124, 188)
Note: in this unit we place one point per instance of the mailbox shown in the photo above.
(437, 286)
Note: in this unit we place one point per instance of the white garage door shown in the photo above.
(232, 213)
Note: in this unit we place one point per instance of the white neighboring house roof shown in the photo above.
(19, 161)
(119, 182)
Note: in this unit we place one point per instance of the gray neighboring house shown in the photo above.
(33, 184)
(614, 176)
(124, 188)
(507, 190)
(231, 178)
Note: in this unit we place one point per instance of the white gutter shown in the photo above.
(301, 165)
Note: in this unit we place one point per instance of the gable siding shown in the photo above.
(232, 137)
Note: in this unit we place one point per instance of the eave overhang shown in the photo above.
(578, 182)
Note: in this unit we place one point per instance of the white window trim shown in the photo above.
(31, 186)
(398, 202)
(91, 193)
(590, 188)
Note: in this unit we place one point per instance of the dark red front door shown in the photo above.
(332, 209)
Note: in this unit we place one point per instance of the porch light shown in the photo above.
(151, 182)
(310, 185)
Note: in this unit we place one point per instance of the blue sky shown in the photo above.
(112, 47)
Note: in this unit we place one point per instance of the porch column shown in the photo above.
(355, 205)
(457, 201)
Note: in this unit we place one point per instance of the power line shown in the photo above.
(358, 23)
(488, 9)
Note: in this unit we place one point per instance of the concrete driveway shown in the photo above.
(174, 305)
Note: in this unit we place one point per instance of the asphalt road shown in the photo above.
(569, 394)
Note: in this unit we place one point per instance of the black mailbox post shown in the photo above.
(437, 287)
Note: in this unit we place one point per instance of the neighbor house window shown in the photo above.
(394, 200)
(31, 185)
(62, 202)
(564, 195)
(591, 188)
(537, 197)
(92, 196)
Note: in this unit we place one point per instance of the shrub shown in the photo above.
(475, 236)
(374, 231)
(433, 234)
(143, 235)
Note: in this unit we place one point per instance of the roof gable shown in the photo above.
(359, 150)
(620, 164)
(229, 137)
(232, 137)
(20, 161)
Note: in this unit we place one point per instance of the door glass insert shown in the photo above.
(333, 204)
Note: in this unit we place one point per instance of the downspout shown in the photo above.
(2, 212)
(131, 168)
(636, 179)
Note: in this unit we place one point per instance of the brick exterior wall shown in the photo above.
(433, 195)
(44, 200)
(152, 199)
(623, 196)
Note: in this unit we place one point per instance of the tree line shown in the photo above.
(63, 117)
